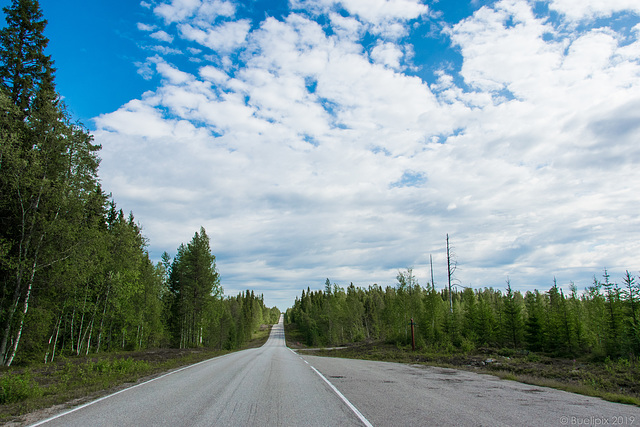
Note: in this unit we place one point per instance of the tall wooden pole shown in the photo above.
(449, 274)
(413, 339)
(433, 286)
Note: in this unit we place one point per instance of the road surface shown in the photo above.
(274, 386)
(266, 386)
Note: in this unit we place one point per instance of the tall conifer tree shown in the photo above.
(26, 68)
(48, 169)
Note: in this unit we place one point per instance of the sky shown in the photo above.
(344, 139)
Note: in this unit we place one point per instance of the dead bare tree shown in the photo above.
(451, 268)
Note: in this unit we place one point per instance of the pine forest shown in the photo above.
(603, 321)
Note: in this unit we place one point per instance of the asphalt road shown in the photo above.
(266, 386)
(273, 386)
(393, 394)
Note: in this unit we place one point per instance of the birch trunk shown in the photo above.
(26, 236)
(90, 327)
(81, 338)
(55, 342)
(73, 315)
(25, 305)
(89, 337)
(104, 313)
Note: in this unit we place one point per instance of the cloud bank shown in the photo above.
(312, 145)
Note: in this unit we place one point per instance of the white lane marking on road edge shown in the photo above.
(340, 395)
(121, 391)
(344, 399)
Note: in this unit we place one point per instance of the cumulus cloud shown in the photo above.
(576, 10)
(181, 10)
(373, 11)
(162, 36)
(387, 18)
(307, 154)
(378, 11)
(213, 74)
(224, 37)
(146, 27)
(387, 54)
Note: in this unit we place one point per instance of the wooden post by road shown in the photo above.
(413, 339)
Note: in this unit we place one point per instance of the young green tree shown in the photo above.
(534, 330)
(632, 320)
(513, 324)
(596, 318)
(613, 298)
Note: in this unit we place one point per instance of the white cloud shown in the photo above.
(177, 10)
(136, 118)
(144, 69)
(383, 17)
(314, 156)
(165, 50)
(371, 11)
(496, 54)
(560, 127)
(212, 9)
(213, 74)
(346, 28)
(181, 10)
(162, 36)
(224, 37)
(379, 11)
(146, 27)
(576, 10)
(172, 74)
(387, 54)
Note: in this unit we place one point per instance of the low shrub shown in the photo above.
(15, 387)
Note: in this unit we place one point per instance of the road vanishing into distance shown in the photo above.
(274, 386)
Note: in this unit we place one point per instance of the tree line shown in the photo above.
(602, 321)
(75, 275)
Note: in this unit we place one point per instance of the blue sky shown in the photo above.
(346, 138)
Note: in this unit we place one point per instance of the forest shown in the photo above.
(75, 273)
(603, 321)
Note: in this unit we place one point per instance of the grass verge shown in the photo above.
(75, 380)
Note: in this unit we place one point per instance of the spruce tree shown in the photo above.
(194, 284)
(26, 68)
(632, 293)
(512, 317)
(534, 332)
(614, 315)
